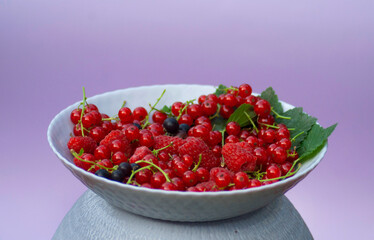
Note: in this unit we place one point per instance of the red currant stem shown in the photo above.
(198, 163)
(136, 171)
(157, 167)
(299, 134)
(278, 115)
(270, 126)
(217, 112)
(110, 119)
(156, 151)
(293, 165)
(230, 88)
(87, 161)
(289, 174)
(123, 104)
(293, 154)
(92, 167)
(250, 119)
(231, 185)
(152, 108)
(157, 101)
(223, 143)
(83, 108)
(184, 108)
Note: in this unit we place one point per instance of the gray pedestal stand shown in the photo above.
(93, 218)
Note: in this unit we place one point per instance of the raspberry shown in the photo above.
(163, 141)
(193, 147)
(77, 143)
(209, 160)
(139, 153)
(237, 158)
(118, 135)
(246, 146)
(113, 135)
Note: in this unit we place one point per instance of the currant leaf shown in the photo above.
(166, 109)
(300, 122)
(218, 123)
(270, 96)
(317, 137)
(240, 117)
(220, 90)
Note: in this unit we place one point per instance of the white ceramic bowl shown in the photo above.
(159, 204)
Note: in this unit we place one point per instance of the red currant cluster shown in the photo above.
(182, 148)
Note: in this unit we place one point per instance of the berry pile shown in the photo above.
(226, 140)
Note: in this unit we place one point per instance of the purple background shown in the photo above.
(316, 54)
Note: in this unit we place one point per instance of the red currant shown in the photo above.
(215, 137)
(254, 183)
(187, 160)
(125, 114)
(230, 100)
(282, 132)
(176, 108)
(201, 131)
(189, 178)
(226, 111)
(233, 128)
(202, 174)
(143, 176)
(241, 180)
(222, 179)
(273, 172)
(201, 99)
(159, 117)
(157, 180)
(97, 134)
(75, 115)
(252, 141)
(168, 186)
(186, 119)
(232, 139)
(252, 100)
(118, 158)
(209, 107)
(245, 90)
(146, 138)
(212, 97)
(194, 110)
(102, 152)
(132, 133)
(140, 113)
(261, 155)
(262, 108)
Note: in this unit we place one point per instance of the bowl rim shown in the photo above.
(296, 178)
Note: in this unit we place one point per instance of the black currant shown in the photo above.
(103, 173)
(118, 175)
(125, 167)
(137, 125)
(184, 127)
(171, 125)
(134, 166)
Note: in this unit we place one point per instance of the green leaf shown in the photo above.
(220, 90)
(270, 96)
(218, 123)
(240, 117)
(300, 121)
(166, 109)
(316, 138)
